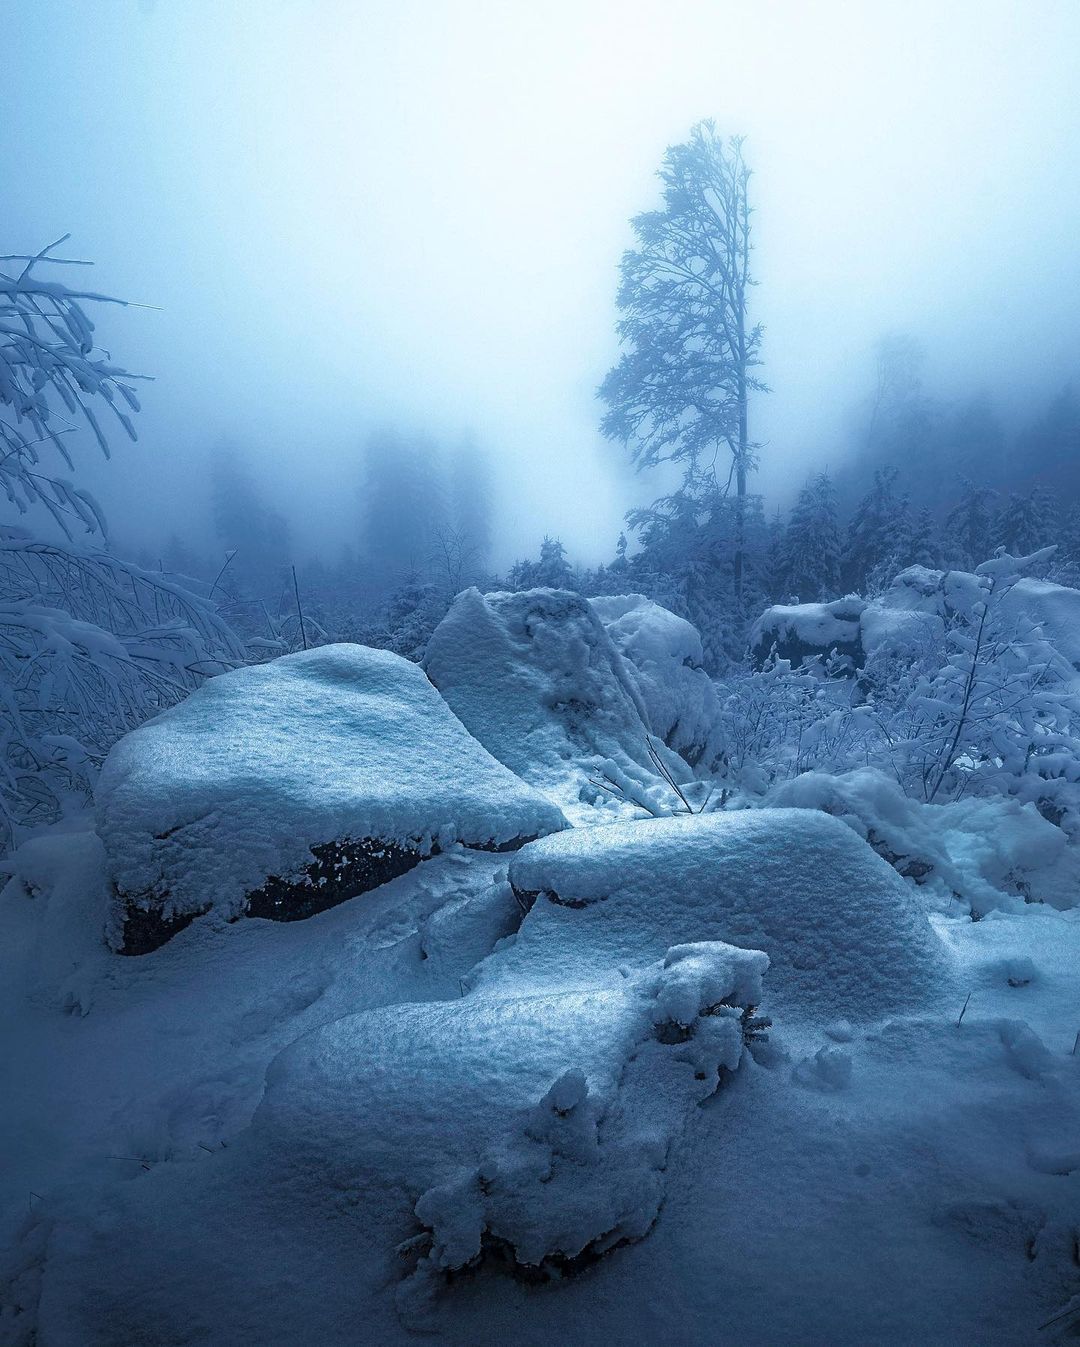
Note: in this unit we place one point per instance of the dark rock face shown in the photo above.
(798, 632)
(147, 928)
(338, 871)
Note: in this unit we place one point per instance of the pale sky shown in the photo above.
(354, 213)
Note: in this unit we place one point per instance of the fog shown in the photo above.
(344, 216)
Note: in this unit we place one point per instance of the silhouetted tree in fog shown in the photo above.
(680, 390)
(402, 505)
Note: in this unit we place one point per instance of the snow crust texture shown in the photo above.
(237, 784)
(845, 935)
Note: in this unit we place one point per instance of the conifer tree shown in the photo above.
(969, 527)
(811, 547)
(877, 535)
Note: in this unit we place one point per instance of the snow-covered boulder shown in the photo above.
(664, 656)
(801, 631)
(918, 599)
(907, 615)
(995, 854)
(529, 1123)
(284, 788)
(844, 934)
(537, 679)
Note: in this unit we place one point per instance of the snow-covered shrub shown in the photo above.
(962, 691)
(90, 647)
(966, 706)
(978, 700)
(781, 720)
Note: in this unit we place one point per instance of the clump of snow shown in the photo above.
(342, 744)
(844, 934)
(664, 655)
(797, 631)
(538, 680)
(827, 1069)
(992, 853)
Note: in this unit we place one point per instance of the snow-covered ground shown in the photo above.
(533, 1096)
(224, 1141)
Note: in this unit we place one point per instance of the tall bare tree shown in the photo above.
(680, 390)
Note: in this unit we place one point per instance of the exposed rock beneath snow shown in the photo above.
(284, 788)
(801, 631)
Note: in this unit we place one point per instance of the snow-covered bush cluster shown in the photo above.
(941, 719)
(90, 647)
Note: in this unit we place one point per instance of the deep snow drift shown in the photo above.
(274, 779)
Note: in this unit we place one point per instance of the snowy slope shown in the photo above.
(342, 744)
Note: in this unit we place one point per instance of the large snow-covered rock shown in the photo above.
(664, 656)
(844, 934)
(537, 679)
(799, 631)
(286, 787)
(528, 1122)
(909, 613)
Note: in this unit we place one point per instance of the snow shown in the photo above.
(537, 679)
(992, 853)
(200, 806)
(664, 656)
(801, 629)
(844, 934)
(551, 1066)
(922, 1187)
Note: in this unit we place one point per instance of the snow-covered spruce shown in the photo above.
(537, 679)
(845, 935)
(284, 788)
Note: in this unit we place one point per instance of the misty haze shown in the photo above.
(540, 673)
